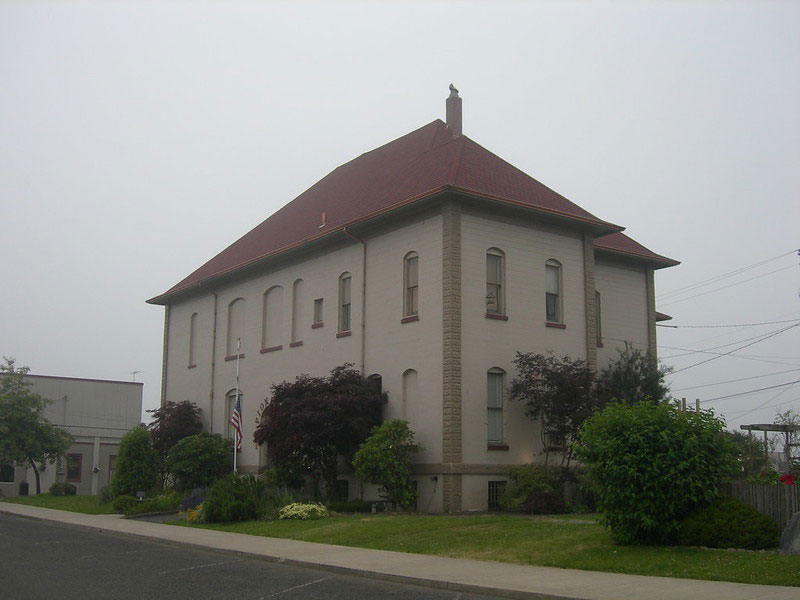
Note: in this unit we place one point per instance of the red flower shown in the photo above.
(787, 479)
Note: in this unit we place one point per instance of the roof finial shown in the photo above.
(453, 91)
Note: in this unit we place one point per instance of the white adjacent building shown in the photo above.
(428, 261)
(97, 413)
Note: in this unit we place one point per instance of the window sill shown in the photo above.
(342, 334)
(555, 325)
(271, 349)
(496, 317)
(295, 344)
(192, 367)
(233, 357)
(409, 319)
(317, 325)
(491, 446)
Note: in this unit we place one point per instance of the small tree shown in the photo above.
(651, 464)
(199, 460)
(311, 421)
(385, 459)
(559, 392)
(633, 377)
(172, 422)
(26, 436)
(136, 468)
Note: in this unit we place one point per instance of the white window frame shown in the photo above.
(345, 302)
(495, 282)
(411, 285)
(495, 392)
(553, 292)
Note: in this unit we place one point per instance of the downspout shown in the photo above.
(363, 293)
(213, 362)
(164, 352)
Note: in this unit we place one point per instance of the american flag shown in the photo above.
(236, 421)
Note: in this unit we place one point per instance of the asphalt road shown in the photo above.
(41, 560)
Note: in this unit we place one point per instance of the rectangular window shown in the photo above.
(494, 284)
(553, 293)
(231, 403)
(597, 319)
(112, 465)
(74, 467)
(494, 407)
(344, 303)
(411, 286)
(496, 489)
(318, 311)
(6, 472)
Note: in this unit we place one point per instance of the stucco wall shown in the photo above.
(623, 306)
(390, 347)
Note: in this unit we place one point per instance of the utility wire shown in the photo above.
(771, 387)
(705, 282)
(748, 410)
(725, 287)
(725, 345)
(764, 404)
(696, 387)
(785, 329)
(718, 326)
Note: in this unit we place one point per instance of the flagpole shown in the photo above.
(236, 397)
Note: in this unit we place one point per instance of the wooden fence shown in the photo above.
(778, 502)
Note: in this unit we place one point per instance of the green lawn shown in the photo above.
(568, 541)
(82, 504)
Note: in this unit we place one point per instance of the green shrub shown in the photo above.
(199, 460)
(351, 506)
(728, 523)
(104, 495)
(303, 511)
(61, 488)
(651, 464)
(533, 489)
(385, 459)
(136, 468)
(122, 504)
(234, 498)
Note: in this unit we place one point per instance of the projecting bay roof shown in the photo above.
(418, 165)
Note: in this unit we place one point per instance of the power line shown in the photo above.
(785, 329)
(764, 404)
(755, 337)
(718, 326)
(695, 387)
(725, 287)
(687, 288)
(748, 410)
(771, 387)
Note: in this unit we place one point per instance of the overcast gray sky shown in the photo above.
(138, 139)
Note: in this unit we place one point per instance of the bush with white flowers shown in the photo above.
(303, 511)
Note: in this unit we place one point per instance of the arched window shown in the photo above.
(495, 282)
(344, 302)
(410, 396)
(230, 404)
(272, 319)
(193, 340)
(553, 296)
(236, 311)
(411, 285)
(297, 306)
(495, 381)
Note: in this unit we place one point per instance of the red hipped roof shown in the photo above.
(422, 163)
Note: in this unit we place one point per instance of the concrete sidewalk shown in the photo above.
(491, 578)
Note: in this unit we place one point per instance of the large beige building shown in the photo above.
(428, 261)
(97, 412)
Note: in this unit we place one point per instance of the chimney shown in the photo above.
(453, 104)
